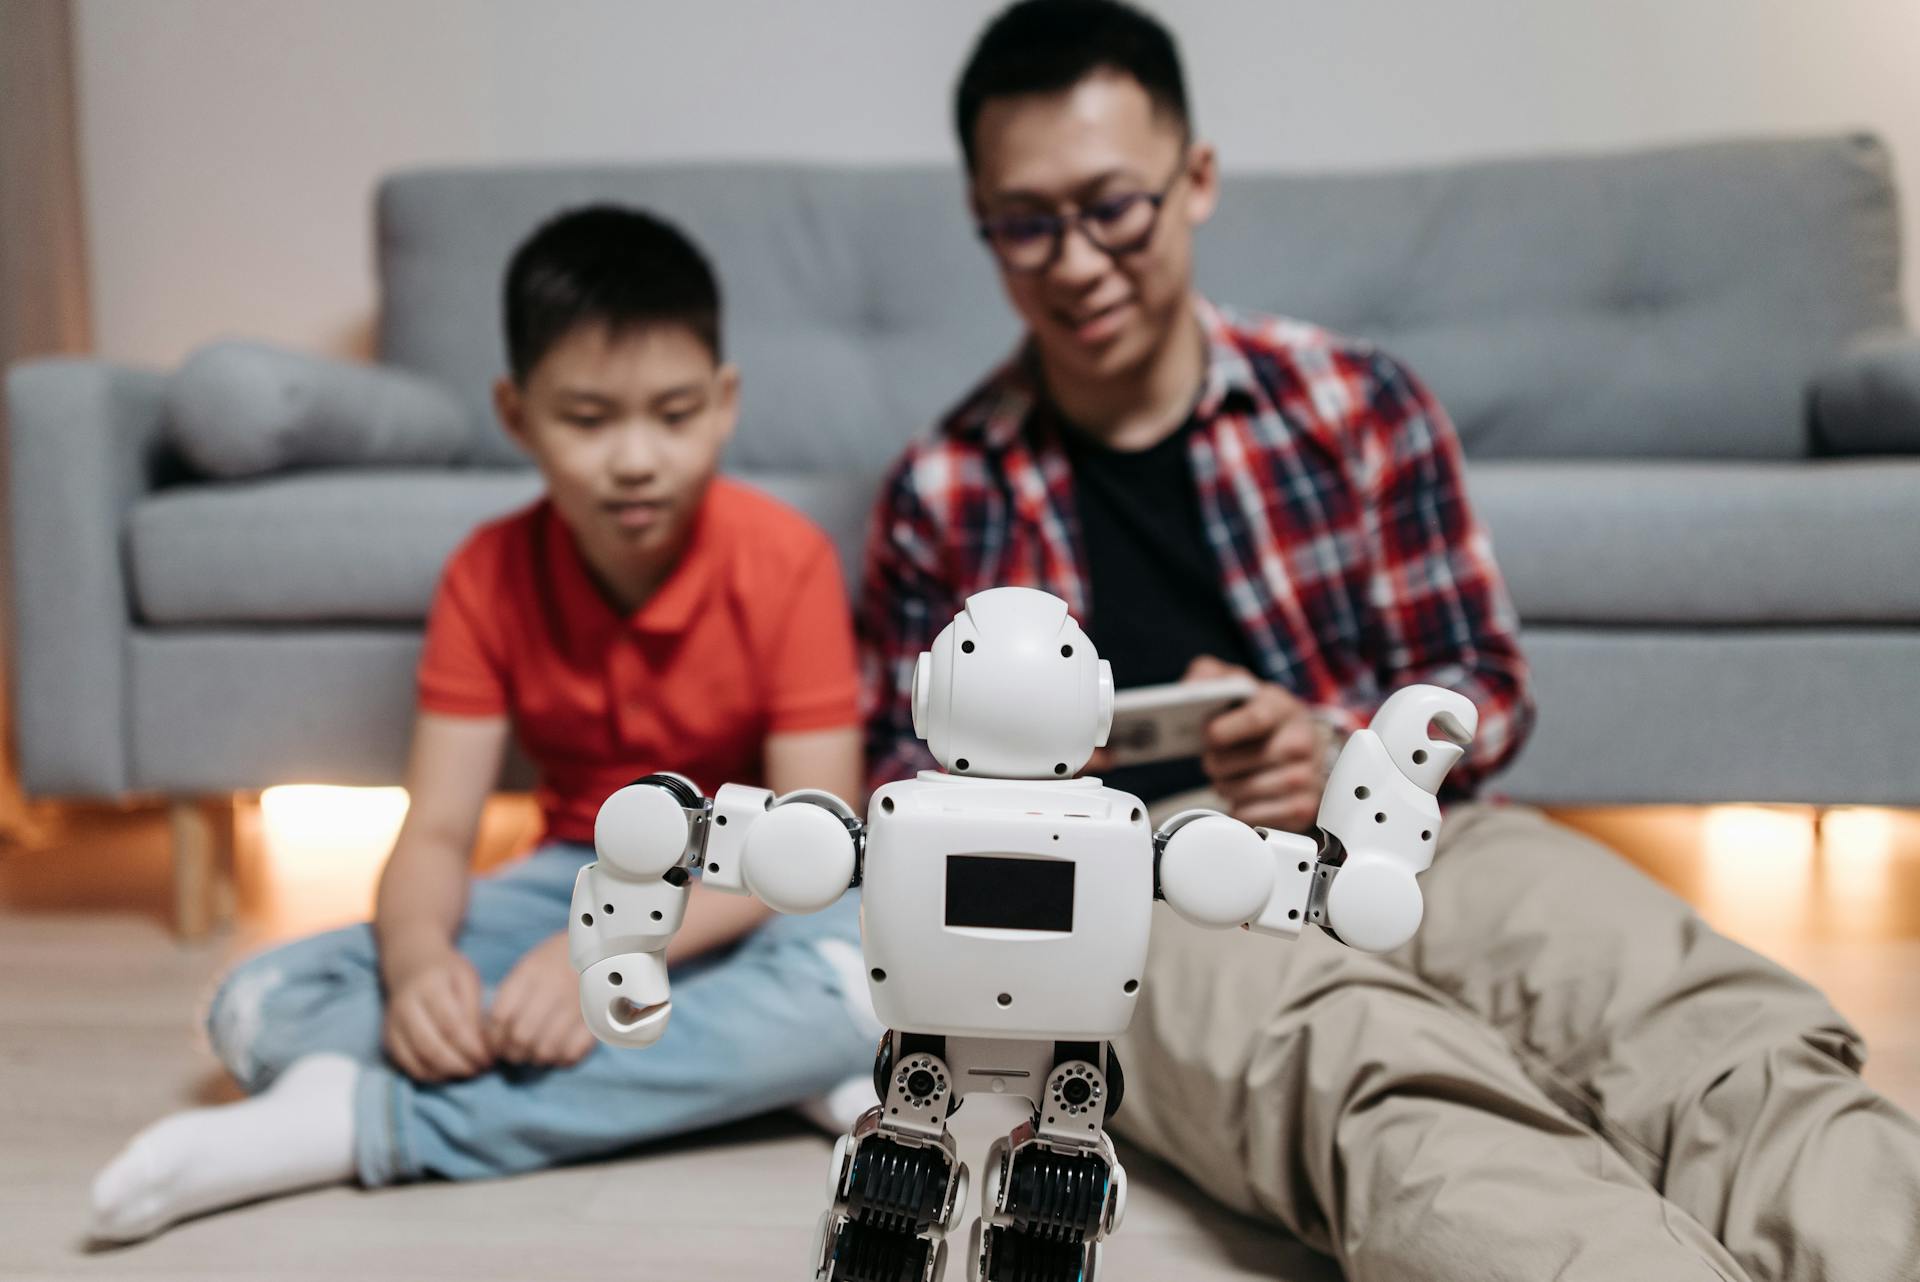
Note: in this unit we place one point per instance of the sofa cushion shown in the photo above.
(1705, 543)
(857, 301)
(1670, 302)
(1666, 303)
(1594, 543)
(361, 546)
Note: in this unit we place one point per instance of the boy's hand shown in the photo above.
(1267, 758)
(536, 1010)
(433, 1029)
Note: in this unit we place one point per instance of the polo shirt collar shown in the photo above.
(674, 602)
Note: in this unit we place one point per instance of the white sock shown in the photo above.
(296, 1134)
(837, 1110)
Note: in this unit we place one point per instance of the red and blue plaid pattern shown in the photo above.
(1331, 491)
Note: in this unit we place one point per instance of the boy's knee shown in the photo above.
(275, 1006)
(237, 1017)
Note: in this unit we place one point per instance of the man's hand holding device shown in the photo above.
(1263, 749)
(1169, 722)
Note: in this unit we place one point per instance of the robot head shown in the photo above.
(1012, 689)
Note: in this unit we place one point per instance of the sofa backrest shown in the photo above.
(1657, 303)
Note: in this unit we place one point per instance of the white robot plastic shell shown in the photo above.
(1012, 689)
(1006, 911)
(1006, 908)
(617, 940)
(1379, 804)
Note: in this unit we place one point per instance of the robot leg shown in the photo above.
(897, 1185)
(1053, 1189)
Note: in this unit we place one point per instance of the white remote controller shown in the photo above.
(1169, 722)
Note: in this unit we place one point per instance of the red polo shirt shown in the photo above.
(748, 636)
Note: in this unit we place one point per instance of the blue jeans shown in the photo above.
(762, 1025)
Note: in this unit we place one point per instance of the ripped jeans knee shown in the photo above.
(235, 1017)
(317, 994)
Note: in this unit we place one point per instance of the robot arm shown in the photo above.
(798, 853)
(1381, 822)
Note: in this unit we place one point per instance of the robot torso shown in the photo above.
(1006, 908)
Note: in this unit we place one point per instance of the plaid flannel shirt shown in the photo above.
(1331, 491)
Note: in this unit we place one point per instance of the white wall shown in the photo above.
(230, 146)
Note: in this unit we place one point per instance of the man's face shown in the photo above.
(1095, 314)
(627, 429)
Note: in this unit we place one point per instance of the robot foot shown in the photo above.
(1002, 1253)
(895, 1198)
(1046, 1204)
(1057, 1195)
(903, 1188)
(856, 1252)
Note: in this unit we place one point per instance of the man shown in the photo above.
(1567, 1074)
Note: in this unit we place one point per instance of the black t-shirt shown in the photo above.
(1156, 600)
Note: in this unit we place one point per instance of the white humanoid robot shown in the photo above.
(1004, 920)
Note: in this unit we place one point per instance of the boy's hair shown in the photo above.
(605, 265)
(1045, 46)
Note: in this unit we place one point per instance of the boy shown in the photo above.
(642, 616)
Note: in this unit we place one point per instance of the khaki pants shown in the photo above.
(1566, 1075)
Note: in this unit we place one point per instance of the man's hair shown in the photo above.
(1046, 46)
(605, 265)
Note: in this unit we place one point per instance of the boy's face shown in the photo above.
(627, 429)
(1094, 314)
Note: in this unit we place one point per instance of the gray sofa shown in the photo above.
(1634, 348)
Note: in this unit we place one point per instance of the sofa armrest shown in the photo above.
(1868, 402)
(84, 441)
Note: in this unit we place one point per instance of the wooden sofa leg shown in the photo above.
(202, 831)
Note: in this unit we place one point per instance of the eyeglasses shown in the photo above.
(1115, 225)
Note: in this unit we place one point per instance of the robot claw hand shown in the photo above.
(1380, 806)
(797, 853)
(628, 904)
(1379, 814)
(624, 998)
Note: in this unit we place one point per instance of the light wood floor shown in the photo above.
(96, 1040)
